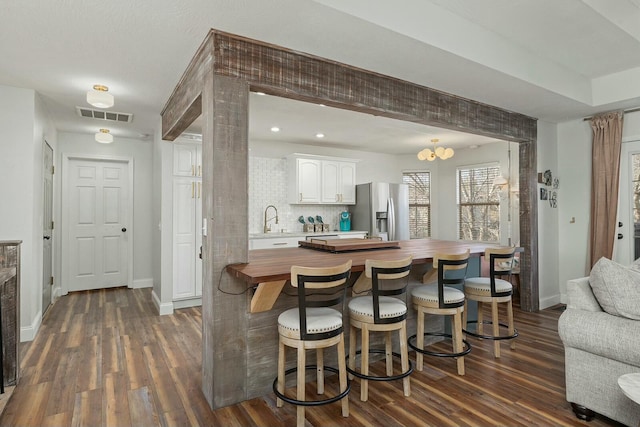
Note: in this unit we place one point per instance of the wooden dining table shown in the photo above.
(269, 269)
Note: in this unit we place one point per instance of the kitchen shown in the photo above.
(270, 180)
(382, 160)
(222, 97)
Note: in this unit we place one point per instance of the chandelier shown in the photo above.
(440, 152)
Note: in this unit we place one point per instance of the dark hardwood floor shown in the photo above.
(104, 358)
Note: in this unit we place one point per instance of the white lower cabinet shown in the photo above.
(277, 242)
(187, 237)
(274, 243)
(352, 235)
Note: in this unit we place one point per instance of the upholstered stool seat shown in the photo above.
(493, 290)
(314, 325)
(389, 307)
(319, 320)
(442, 299)
(381, 312)
(428, 295)
(481, 286)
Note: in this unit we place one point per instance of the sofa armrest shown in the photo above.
(580, 296)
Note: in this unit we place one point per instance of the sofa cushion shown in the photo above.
(580, 295)
(612, 337)
(617, 288)
(635, 265)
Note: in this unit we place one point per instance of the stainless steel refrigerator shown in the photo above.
(382, 209)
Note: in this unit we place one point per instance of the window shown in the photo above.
(478, 204)
(419, 203)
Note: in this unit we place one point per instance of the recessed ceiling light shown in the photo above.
(260, 93)
(322, 105)
(319, 135)
(275, 129)
(473, 146)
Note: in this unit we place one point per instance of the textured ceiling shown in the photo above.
(549, 59)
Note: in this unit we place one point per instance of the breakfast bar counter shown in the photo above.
(269, 269)
(246, 353)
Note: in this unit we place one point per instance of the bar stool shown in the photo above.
(444, 300)
(381, 312)
(314, 325)
(493, 290)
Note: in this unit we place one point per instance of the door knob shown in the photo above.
(124, 229)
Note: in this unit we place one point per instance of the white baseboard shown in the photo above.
(56, 293)
(163, 308)
(143, 283)
(28, 333)
(186, 303)
(550, 301)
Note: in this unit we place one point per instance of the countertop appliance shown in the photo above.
(345, 221)
(382, 209)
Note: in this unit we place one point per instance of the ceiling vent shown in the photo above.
(104, 115)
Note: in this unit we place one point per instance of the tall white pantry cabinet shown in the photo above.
(187, 221)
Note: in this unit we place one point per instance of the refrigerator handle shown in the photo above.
(391, 219)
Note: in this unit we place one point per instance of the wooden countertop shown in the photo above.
(269, 269)
(268, 265)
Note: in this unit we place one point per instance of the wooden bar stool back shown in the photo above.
(441, 298)
(493, 290)
(314, 324)
(381, 311)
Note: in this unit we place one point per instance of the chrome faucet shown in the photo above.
(268, 228)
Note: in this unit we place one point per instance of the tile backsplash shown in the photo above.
(268, 182)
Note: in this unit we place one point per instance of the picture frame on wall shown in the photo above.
(543, 194)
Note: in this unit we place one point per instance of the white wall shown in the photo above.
(548, 265)
(142, 229)
(163, 287)
(23, 128)
(574, 162)
(159, 234)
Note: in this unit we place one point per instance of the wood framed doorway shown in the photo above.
(216, 85)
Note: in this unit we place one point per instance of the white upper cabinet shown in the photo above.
(317, 180)
(187, 160)
(308, 173)
(338, 182)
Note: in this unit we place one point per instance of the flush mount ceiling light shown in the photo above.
(439, 152)
(104, 137)
(275, 129)
(319, 135)
(100, 97)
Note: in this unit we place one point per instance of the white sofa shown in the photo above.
(599, 347)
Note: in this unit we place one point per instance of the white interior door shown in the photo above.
(626, 246)
(47, 226)
(97, 214)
